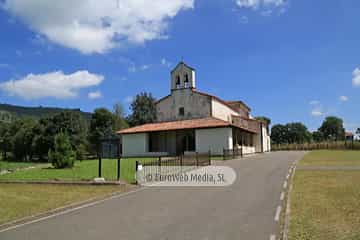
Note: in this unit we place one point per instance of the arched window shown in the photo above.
(186, 81)
(178, 82)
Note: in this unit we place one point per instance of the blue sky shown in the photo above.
(295, 60)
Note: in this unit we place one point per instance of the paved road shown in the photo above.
(244, 210)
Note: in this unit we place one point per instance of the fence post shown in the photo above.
(118, 168)
(209, 157)
(181, 160)
(159, 161)
(224, 154)
(136, 169)
(197, 159)
(241, 152)
(99, 166)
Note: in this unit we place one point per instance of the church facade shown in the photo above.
(192, 121)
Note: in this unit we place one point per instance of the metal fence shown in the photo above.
(232, 153)
(179, 163)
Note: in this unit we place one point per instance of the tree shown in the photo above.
(290, 133)
(332, 128)
(279, 134)
(119, 119)
(101, 125)
(318, 136)
(69, 122)
(5, 139)
(266, 120)
(297, 133)
(62, 156)
(143, 109)
(22, 138)
(42, 140)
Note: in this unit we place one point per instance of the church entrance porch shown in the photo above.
(172, 142)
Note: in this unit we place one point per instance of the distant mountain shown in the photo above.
(9, 112)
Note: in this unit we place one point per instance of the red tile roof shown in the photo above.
(209, 122)
(349, 134)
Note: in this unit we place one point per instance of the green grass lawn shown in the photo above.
(331, 158)
(4, 165)
(325, 205)
(84, 170)
(22, 200)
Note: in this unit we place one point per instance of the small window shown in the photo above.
(177, 81)
(181, 111)
(186, 78)
(186, 81)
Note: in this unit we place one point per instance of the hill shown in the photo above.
(9, 112)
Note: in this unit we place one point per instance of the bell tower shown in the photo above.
(183, 76)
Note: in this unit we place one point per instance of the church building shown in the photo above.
(192, 121)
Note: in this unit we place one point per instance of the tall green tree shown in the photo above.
(290, 133)
(22, 139)
(333, 129)
(5, 139)
(279, 134)
(318, 136)
(297, 133)
(119, 117)
(71, 123)
(101, 125)
(266, 120)
(143, 109)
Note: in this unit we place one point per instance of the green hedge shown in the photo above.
(339, 145)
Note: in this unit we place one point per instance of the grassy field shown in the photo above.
(4, 165)
(331, 158)
(325, 205)
(22, 200)
(84, 170)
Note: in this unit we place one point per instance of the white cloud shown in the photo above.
(93, 26)
(128, 99)
(343, 98)
(135, 68)
(19, 53)
(356, 77)
(165, 62)
(317, 113)
(5, 65)
(314, 102)
(244, 19)
(94, 95)
(255, 4)
(54, 84)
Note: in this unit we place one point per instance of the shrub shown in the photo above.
(81, 152)
(62, 156)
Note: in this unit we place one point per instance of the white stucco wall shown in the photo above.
(135, 144)
(214, 139)
(221, 111)
(248, 150)
(257, 142)
(265, 139)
